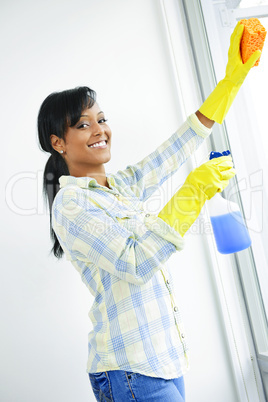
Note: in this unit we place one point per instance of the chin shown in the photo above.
(108, 158)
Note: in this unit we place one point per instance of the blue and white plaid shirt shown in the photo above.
(120, 252)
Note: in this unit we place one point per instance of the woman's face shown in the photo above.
(82, 158)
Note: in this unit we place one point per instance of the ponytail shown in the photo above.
(59, 111)
(54, 169)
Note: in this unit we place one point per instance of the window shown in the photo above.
(245, 133)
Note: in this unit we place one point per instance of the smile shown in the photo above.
(101, 144)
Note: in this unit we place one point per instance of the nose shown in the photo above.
(97, 129)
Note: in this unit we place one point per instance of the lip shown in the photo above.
(102, 147)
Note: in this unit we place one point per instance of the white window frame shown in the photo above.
(236, 277)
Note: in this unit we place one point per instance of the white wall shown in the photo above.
(118, 48)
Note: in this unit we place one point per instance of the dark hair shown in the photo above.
(59, 111)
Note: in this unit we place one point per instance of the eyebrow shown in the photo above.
(86, 115)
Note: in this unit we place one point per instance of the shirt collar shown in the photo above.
(84, 182)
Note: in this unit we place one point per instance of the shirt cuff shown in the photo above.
(198, 127)
(161, 228)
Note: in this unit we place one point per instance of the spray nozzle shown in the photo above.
(218, 154)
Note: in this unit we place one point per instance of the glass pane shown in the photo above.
(258, 89)
(258, 82)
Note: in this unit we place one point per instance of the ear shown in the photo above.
(57, 143)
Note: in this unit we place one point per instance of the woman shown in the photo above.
(137, 348)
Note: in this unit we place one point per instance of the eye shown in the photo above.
(103, 120)
(83, 125)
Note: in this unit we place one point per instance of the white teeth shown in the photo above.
(99, 144)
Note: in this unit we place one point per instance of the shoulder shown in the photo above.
(69, 191)
(70, 195)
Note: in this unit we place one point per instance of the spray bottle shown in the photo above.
(230, 232)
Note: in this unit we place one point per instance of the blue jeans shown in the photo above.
(124, 386)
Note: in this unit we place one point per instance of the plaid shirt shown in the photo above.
(120, 252)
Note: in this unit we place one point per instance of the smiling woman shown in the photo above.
(98, 220)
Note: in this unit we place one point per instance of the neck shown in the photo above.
(102, 181)
(100, 176)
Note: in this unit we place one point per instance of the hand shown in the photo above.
(236, 71)
(213, 176)
(219, 101)
(201, 184)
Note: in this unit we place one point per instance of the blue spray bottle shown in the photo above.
(229, 228)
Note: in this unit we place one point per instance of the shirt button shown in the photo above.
(167, 282)
(182, 335)
(176, 309)
(147, 215)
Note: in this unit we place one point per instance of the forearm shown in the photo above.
(183, 208)
(204, 120)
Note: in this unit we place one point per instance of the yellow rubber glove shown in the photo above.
(219, 101)
(200, 185)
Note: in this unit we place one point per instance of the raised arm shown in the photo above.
(151, 172)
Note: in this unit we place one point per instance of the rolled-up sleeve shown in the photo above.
(87, 233)
(151, 172)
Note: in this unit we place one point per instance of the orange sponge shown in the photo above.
(252, 39)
